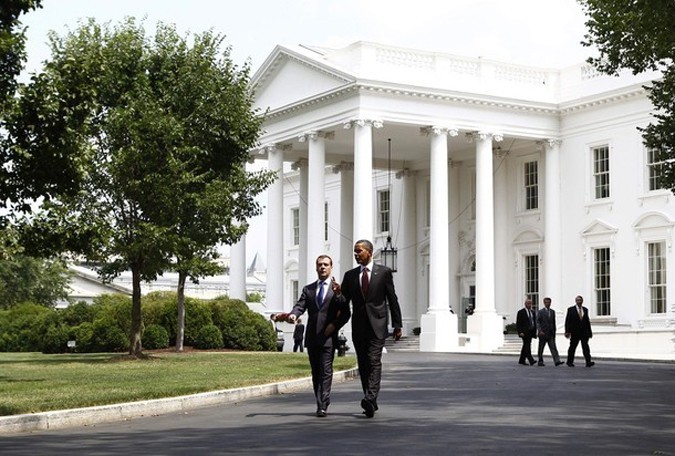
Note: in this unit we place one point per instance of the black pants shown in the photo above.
(369, 357)
(297, 345)
(526, 350)
(321, 361)
(585, 349)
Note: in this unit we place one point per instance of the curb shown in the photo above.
(60, 419)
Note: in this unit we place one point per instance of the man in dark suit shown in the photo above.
(546, 328)
(578, 329)
(526, 325)
(298, 335)
(327, 313)
(370, 288)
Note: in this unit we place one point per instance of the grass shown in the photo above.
(34, 382)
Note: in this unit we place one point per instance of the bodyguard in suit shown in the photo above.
(370, 288)
(546, 328)
(578, 329)
(526, 325)
(327, 313)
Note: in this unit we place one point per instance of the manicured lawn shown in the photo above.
(34, 382)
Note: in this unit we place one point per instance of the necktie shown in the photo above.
(529, 316)
(364, 281)
(581, 313)
(319, 298)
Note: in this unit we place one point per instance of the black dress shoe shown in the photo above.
(591, 364)
(570, 364)
(533, 362)
(368, 408)
(522, 362)
(541, 363)
(559, 363)
(321, 413)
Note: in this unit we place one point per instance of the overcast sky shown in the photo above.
(531, 32)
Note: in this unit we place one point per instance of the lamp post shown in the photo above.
(389, 253)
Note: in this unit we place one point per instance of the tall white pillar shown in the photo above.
(404, 240)
(502, 243)
(363, 177)
(439, 325)
(302, 167)
(238, 270)
(275, 239)
(315, 201)
(346, 260)
(484, 327)
(552, 224)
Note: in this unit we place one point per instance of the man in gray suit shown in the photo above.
(370, 289)
(547, 328)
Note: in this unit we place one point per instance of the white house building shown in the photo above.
(495, 182)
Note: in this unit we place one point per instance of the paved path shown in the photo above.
(431, 404)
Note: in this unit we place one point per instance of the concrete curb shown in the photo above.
(61, 419)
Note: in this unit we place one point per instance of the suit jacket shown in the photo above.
(372, 307)
(523, 323)
(546, 326)
(333, 310)
(578, 327)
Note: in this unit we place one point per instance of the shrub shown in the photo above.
(209, 337)
(83, 335)
(77, 313)
(155, 336)
(55, 340)
(108, 337)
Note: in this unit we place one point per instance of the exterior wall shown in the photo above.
(578, 108)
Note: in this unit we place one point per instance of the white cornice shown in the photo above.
(608, 98)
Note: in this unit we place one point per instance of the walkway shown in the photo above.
(431, 404)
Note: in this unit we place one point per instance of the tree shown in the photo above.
(154, 127)
(640, 35)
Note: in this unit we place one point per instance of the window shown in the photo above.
(601, 281)
(383, 211)
(655, 164)
(601, 171)
(325, 222)
(531, 263)
(531, 174)
(657, 277)
(295, 220)
(294, 291)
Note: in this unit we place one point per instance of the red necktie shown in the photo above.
(364, 281)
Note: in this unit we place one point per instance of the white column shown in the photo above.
(484, 327)
(363, 177)
(406, 277)
(502, 244)
(552, 224)
(238, 270)
(346, 260)
(275, 239)
(315, 200)
(439, 325)
(301, 167)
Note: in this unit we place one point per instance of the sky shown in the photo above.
(543, 33)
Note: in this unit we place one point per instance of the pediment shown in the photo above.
(528, 236)
(653, 220)
(598, 228)
(288, 77)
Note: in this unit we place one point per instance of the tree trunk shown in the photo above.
(135, 346)
(180, 323)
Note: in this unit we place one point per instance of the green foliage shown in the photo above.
(209, 337)
(640, 36)
(246, 330)
(155, 336)
(254, 297)
(55, 340)
(27, 279)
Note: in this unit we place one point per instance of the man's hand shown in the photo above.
(330, 329)
(337, 290)
(567, 335)
(397, 333)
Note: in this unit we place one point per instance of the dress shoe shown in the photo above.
(591, 364)
(541, 363)
(570, 364)
(368, 408)
(559, 363)
(522, 362)
(321, 413)
(533, 362)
